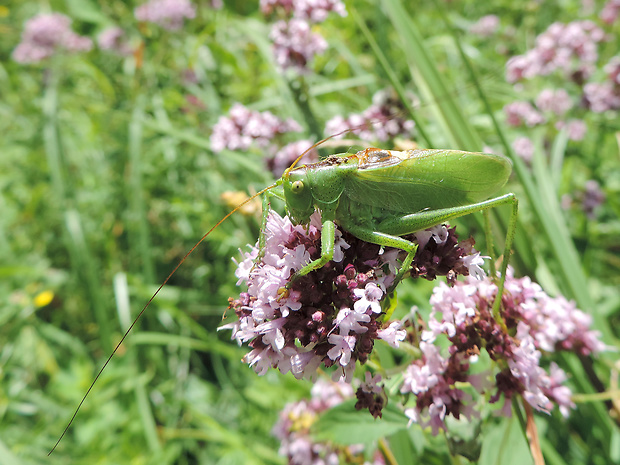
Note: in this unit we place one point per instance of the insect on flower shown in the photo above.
(298, 313)
(377, 196)
(380, 195)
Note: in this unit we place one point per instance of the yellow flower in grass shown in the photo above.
(43, 298)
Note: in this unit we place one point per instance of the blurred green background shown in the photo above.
(107, 179)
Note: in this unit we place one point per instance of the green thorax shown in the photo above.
(316, 186)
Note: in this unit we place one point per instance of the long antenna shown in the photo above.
(92, 385)
(147, 305)
(316, 144)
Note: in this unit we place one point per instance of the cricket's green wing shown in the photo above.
(416, 180)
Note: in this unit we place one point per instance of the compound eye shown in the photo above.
(297, 187)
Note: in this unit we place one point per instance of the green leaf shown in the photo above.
(86, 10)
(429, 79)
(345, 425)
(504, 444)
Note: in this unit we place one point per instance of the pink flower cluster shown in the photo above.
(331, 316)
(328, 334)
(293, 429)
(576, 129)
(318, 10)
(169, 14)
(379, 122)
(571, 48)
(289, 153)
(524, 148)
(113, 39)
(431, 379)
(281, 7)
(589, 198)
(533, 324)
(485, 26)
(610, 11)
(601, 97)
(244, 127)
(554, 323)
(555, 103)
(46, 34)
(310, 10)
(592, 197)
(521, 112)
(294, 43)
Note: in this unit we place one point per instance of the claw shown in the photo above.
(283, 293)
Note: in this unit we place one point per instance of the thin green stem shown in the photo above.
(387, 453)
(137, 209)
(299, 90)
(489, 238)
(82, 261)
(394, 80)
(429, 79)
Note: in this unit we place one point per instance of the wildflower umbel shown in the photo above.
(244, 127)
(601, 97)
(610, 11)
(311, 10)
(519, 113)
(294, 41)
(46, 34)
(385, 109)
(486, 26)
(294, 44)
(569, 48)
(524, 147)
(169, 14)
(534, 324)
(331, 316)
(556, 101)
(113, 39)
(289, 153)
(293, 429)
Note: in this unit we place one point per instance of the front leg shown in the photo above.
(328, 239)
(262, 239)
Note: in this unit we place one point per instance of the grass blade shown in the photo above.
(430, 81)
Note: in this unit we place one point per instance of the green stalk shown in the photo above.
(544, 203)
(554, 228)
(430, 81)
(137, 212)
(121, 295)
(391, 75)
(82, 261)
(258, 32)
(299, 90)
